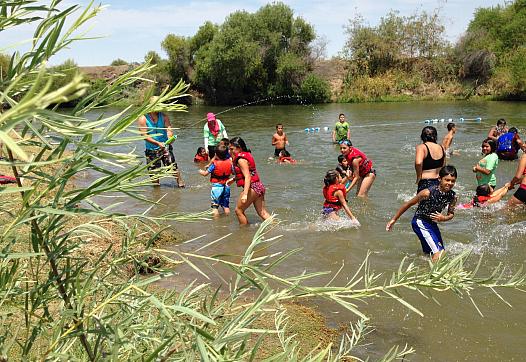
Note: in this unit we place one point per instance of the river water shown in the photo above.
(388, 134)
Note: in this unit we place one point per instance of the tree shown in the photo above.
(178, 50)
(118, 61)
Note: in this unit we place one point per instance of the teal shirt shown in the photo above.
(341, 130)
(490, 162)
(213, 141)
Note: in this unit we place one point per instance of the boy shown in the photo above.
(220, 171)
(431, 202)
(341, 131)
(279, 140)
(448, 138)
(498, 130)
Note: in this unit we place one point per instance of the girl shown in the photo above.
(485, 168)
(285, 157)
(429, 159)
(334, 193)
(484, 196)
(431, 202)
(201, 155)
(519, 197)
(247, 177)
(361, 166)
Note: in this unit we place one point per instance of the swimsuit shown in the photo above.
(520, 194)
(430, 163)
(277, 151)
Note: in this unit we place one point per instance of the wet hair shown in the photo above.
(492, 144)
(331, 177)
(222, 152)
(501, 122)
(225, 141)
(513, 130)
(482, 190)
(279, 124)
(450, 126)
(341, 171)
(239, 142)
(341, 158)
(284, 153)
(346, 142)
(199, 150)
(447, 170)
(429, 134)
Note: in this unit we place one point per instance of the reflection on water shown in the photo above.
(451, 331)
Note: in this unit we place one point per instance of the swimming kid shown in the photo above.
(484, 196)
(486, 167)
(201, 155)
(362, 168)
(431, 201)
(335, 196)
(285, 157)
(247, 177)
(220, 171)
(509, 144)
(341, 130)
(279, 140)
(448, 138)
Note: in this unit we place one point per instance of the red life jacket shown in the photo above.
(222, 171)
(4, 180)
(199, 158)
(480, 200)
(330, 199)
(286, 159)
(365, 164)
(240, 179)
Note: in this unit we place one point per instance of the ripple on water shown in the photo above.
(316, 222)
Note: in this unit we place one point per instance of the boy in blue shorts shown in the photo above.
(220, 171)
(431, 202)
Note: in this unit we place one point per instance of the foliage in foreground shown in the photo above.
(59, 303)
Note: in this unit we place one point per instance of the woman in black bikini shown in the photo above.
(429, 159)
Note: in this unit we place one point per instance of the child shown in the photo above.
(448, 138)
(498, 130)
(484, 196)
(486, 167)
(345, 171)
(334, 193)
(279, 140)
(284, 157)
(341, 131)
(431, 201)
(201, 155)
(220, 171)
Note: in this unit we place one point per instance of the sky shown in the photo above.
(131, 28)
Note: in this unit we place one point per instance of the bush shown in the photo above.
(118, 62)
(315, 89)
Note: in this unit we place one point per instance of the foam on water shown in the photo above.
(316, 222)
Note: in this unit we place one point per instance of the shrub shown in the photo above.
(314, 89)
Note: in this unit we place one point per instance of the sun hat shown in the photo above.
(210, 116)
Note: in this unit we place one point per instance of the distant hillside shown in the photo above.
(333, 71)
(104, 72)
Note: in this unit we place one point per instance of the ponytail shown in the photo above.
(330, 177)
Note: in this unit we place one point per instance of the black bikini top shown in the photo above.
(430, 163)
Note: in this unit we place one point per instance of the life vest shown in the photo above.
(507, 143)
(4, 180)
(365, 164)
(330, 199)
(199, 158)
(240, 179)
(480, 200)
(286, 159)
(222, 171)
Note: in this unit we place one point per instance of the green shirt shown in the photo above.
(213, 141)
(490, 162)
(341, 130)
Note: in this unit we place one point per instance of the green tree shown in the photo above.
(118, 61)
(178, 50)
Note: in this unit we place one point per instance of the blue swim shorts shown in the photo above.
(429, 235)
(220, 195)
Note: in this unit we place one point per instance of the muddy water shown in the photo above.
(387, 133)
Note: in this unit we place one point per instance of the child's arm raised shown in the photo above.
(208, 170)
(422, 195)
(339, 195)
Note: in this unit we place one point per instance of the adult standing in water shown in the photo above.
(213, 132)
(362, 167)
(429, 159)
(247, 177)
(341, 131)
(519, 197)
(156, 129)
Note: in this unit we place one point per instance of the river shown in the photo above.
(450, 331)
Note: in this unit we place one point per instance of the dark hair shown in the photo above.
(239, 142)
(199, 150)
(513, 130)
(341, 171)
(482, 190)
(222, 152)
(341, 158)
(450, 126)
(331, 177)
(447, 170)
(284, 153)
(501, 122)
(346, 142)
(492, 144)
(279, 124)
(225, 141)
(341, 114)
(429, 134)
